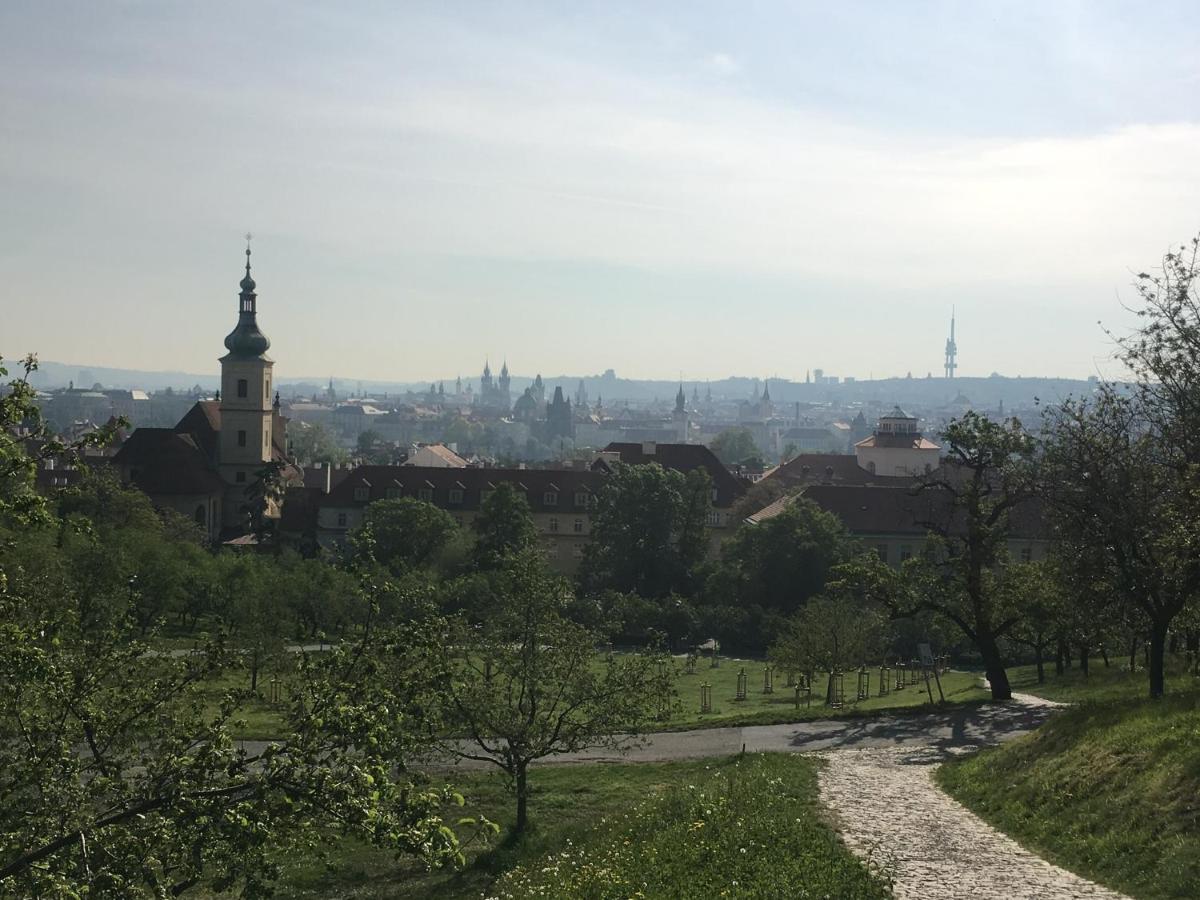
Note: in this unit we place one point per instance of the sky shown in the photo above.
(666, 189)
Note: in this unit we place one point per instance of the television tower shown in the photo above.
(951, 349)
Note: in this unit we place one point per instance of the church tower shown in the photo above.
(247, 415)
(679, 417)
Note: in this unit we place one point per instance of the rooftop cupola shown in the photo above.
(246, 340)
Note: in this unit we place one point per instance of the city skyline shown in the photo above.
(750, 191)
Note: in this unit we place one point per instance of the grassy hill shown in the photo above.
(1109, 789)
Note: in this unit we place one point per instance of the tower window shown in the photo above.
(243, 388)
(241, 439)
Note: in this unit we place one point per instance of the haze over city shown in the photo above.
(757, 190)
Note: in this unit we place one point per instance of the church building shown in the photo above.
(225, 463)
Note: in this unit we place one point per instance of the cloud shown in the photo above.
(723, 64)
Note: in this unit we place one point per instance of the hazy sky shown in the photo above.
(658, 188)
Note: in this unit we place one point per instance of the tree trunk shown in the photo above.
(254, 672)
(1041, 668)
(1158, 645)
(1104, 655)
(994, 666)
(1133, 648)
(1083, 659)
(522, 799)
(1059, 666)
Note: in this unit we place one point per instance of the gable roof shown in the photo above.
(203, 423)
(829, 468)
(163, 461)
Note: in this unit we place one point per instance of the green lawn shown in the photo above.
(778, 707)
(262, 717)
(1114, 682)
(1109, 789)
(760, 828)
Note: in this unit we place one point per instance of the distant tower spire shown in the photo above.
(951, 349)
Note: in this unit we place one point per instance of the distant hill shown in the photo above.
(982, 393)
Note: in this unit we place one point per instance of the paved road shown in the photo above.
(942, 732)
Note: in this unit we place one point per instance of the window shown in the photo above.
(341, 520)
(456, 495)
(714, 495)
(714, 518)
(577, 551)
(1026, 554)
(581, 499)
(882, 550)
(240, 477)
(426, 494)
(243, 388)
(395, 493)
(553, 525)
(241, 439)
(362, 494)
(905, 552)
(579, 526)
(871, 467)
(201, 516)
(550, 498)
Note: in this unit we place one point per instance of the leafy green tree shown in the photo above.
(648, 532)
(405, 534)
(504, 526)
(527, 684)
(781, 562)
(118, 777)
(1119, 495)
(1036, 591)
(26, 441)
(833, 632)
(316, 443)
(734, 445)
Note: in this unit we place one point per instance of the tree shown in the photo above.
(118, 777)
(833, 632)
(504, 526)
(1035, 589)
(734, 445)
(966, 507)
(783, 561)
(527, 684)
(1130, 457)
(1119, 493)
(316, 443)
(648, 531)
(405, 534)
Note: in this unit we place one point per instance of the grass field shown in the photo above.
(263, 721)
(1109, 789)
(1114, 682)
(764, 803)
(766, 709)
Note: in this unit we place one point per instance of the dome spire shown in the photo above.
(246, 340)
(247, 284)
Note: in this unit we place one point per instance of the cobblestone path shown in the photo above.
(890, 811)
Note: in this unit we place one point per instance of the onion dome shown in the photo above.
(246, 340)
